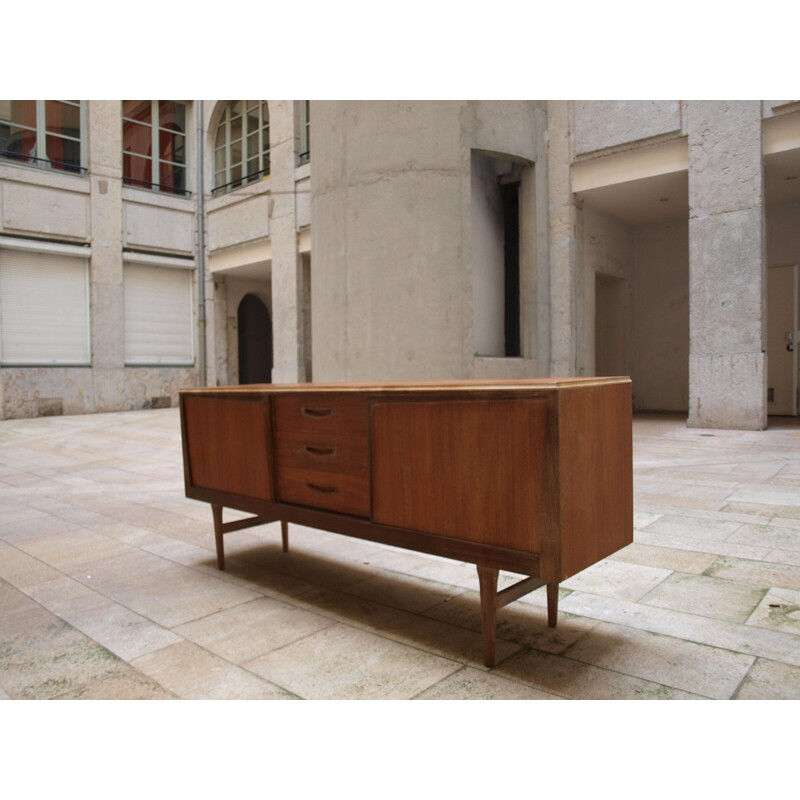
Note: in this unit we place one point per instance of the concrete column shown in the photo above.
(105, 178)
(563, 241)
(389, 182)
(727, 362)
(287, 303)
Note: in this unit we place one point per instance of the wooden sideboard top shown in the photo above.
(518, 384)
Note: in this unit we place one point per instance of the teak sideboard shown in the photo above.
(532, 477)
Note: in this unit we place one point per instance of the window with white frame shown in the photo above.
(158, 315)
(241, 145)
(154, 145)
(44, 133)
(44, 307)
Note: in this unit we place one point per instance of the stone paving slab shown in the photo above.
(109, 587)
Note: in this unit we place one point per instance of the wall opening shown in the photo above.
(306, 316)
(783, 339)
(509, 193)
(782, 199)
(255, 341)
(610, 323)
(496, 192)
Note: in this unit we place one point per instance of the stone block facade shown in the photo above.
(427, 239)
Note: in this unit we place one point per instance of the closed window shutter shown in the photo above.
(44, 309)
(158, 315)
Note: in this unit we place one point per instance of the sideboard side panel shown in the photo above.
(470, 469)
(596, 473)
(227, 444)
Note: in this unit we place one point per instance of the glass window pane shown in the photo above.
(265, 113)
(219, 159)
(253, 121)
(236, 128)
(236, 153)
(140, 110)
(235, 108)
(219, 141)
(172, 146)
(172, 177)
(172, 115)
(62, 118)
(64, 153)
(137, 138)
(236, 172)
(16, 142)
(19, 112)
(252, 167)
(252, 145)
(136, 170)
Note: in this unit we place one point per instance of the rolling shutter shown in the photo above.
(44, 308)
(158, 315)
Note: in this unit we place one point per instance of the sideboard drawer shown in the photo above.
(347, 493)
(330, 452)
(321, 413)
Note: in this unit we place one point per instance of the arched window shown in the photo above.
(241, 146)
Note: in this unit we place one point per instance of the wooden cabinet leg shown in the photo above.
(285, 535)
(217, 512)
(487, 578)
(552, 604)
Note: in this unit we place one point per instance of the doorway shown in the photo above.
(610, 303)
(783, 339)
(255, 341)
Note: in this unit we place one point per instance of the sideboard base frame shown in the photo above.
(491, 599)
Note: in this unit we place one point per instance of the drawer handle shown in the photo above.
(317, 412)
(320, 451)
(325, 489)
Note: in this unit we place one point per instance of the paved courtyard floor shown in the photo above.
(109, 587)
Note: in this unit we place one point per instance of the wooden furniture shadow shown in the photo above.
(532, 477)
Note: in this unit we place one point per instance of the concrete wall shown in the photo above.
(387, 240)
(607, 251)
(601, 124)
(783, 233)
(660, 331)
(392, 244)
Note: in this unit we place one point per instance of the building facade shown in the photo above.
(150, 245)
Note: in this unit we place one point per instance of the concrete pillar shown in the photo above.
(105, 179)
(287, 274)
(562, 228)
(727, 362)
(389, 185)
